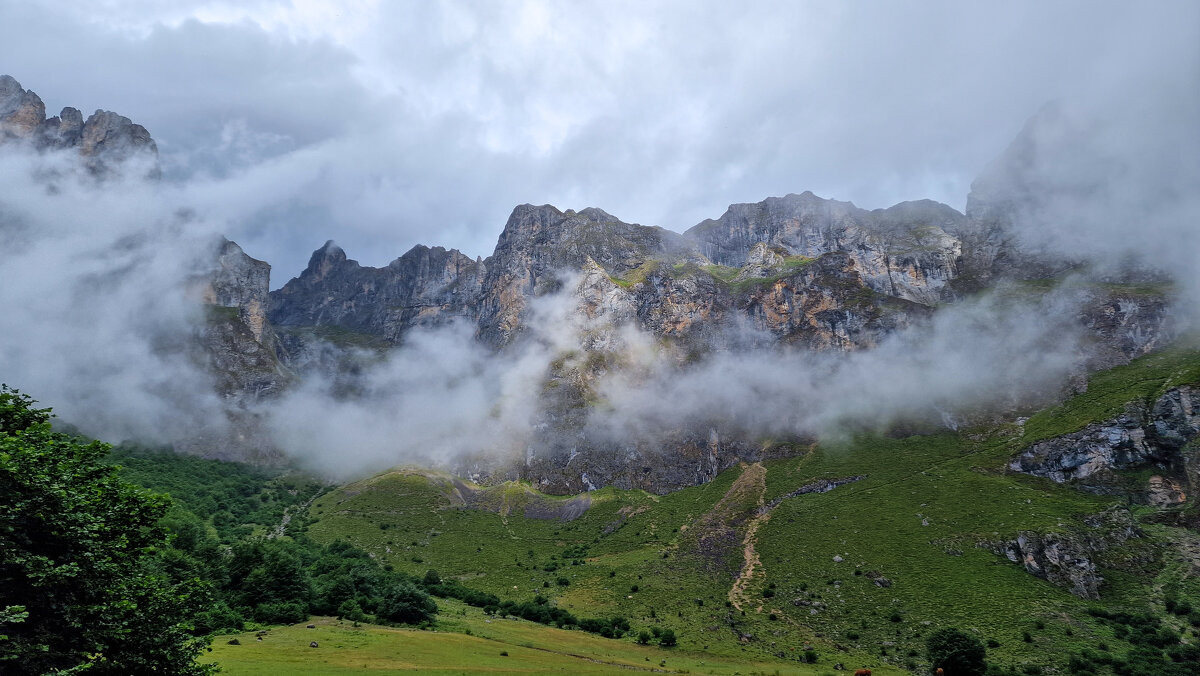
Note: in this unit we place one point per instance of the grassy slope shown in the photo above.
(914, 520)
(465, 641)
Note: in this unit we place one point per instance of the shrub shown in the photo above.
(281, 613)
(406, 604)
(667, 639)
(957, 652)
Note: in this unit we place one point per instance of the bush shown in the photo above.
(956, 652)
(643, 637)
(667, 639)
(351, 610)
(281, 613)
(406, 604)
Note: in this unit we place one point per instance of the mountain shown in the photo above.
(104, 140)
(799, 271)
(603, 299)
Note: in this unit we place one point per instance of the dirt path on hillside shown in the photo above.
(754, 478)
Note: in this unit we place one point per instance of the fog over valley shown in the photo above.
(1068, 244)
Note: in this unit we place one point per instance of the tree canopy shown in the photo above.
(956, 652)
(79, 584)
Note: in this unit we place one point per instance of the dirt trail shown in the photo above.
(754, 478)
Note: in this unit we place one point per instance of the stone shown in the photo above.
(107, 143)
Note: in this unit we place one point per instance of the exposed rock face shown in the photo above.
(1155, 435)
(1069, 558)
(107, 141)
(21, 112)
(424, 287)
(241, 282)
(1128, 322)
(540, 243)
(236, 341)
(828, 306)
(904, 251)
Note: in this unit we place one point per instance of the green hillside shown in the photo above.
(860, 574)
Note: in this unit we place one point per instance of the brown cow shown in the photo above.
(863, 672)
(939, 672)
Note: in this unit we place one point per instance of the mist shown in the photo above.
(304, 132)
(94, 307)
(99, 311)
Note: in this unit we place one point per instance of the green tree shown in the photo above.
(407, 604)
(956, 652)
(667, 639)
(79, 585)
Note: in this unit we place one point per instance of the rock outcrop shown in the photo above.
(904, 251)
(424, 287)
(106, 141)
(539, 244)
(236, 342)
(1071, 558)
(1156, 435)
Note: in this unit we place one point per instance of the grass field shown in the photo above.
(860, 574)
(466, 641)
(753, 577)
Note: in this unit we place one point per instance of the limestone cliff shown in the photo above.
(236, 342)
(904, 251)
(106, 141)
(538, 244)
(424, 287)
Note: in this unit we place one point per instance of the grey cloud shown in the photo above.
(662, 116)
(441, 117)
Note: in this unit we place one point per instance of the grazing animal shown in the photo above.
(940, 672)
(312, 645)
(863, 672)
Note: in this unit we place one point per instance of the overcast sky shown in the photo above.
(386, 124)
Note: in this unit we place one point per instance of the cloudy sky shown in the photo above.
(385, 124)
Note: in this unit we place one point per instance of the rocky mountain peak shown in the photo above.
(905, 251)
(21, 112)
(105, 141)
(323, 260)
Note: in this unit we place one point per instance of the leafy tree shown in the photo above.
(406, 604)
(79, 588)
(668, 638)
(956, 652)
